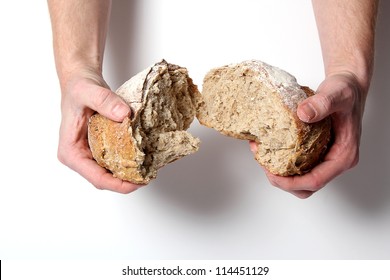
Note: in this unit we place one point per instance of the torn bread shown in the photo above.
(163, 101)
(256, 101)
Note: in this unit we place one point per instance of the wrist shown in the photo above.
(79, 69)
(359, 66)
(358, 62)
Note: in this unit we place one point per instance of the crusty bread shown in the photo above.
(163, 100)
(256, 101)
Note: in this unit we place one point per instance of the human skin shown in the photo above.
(347, 30)
(79, 34)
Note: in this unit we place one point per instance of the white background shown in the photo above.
(216, 204)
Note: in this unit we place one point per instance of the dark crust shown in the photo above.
(113, 145)
(114, 148)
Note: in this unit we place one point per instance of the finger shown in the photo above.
(302, 194)
(80, 160)
(102, 179)
(331, 97)
(303, 186)
(253, 146)
(105, 102)
(313, 181)
(287, 184)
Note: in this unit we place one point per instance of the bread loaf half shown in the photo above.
(256, 101)
(163, 101)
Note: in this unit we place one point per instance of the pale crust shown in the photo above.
(311, 139)
(312, 144)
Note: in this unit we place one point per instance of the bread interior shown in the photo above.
(237, 104)
(168, 111)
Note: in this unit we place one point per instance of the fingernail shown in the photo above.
(253, 146)
(120, 111)
(306, 112)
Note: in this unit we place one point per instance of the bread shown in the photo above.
(163, 101)
(256, 101)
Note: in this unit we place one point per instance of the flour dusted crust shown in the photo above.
(163, 101)
(253, 100)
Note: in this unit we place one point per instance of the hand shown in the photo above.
(82, 94)
(341, 97)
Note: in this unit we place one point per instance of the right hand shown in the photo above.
(342, 97)
(83, 93)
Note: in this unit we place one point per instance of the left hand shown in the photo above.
(84, 93)
(340, 96)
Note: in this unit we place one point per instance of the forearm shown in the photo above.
(347, 30)
(79, 33)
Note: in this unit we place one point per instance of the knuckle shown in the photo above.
(126, 190)
(121, 187)
(98, 186)
(125, 187)
(97, 182)
(317, 183)
(273, 182)
(303, 194)
(62, 156)
(354, 159)
(355, 162)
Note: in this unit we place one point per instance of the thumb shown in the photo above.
(333, 95)
(106, 103)
(313, 109)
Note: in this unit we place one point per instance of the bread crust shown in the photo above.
(120, 147)
(311, 140)
(311, 146)
(114, 147)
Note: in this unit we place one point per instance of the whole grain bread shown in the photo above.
(255, 101)
(163, 100)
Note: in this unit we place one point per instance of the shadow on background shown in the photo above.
(122, 43)
(210, 180)
(368, 185)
